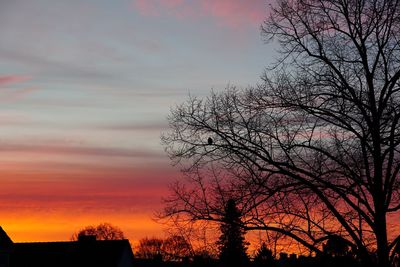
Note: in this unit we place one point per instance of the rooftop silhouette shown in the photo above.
(85, 252)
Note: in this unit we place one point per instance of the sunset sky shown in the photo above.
(85, 89)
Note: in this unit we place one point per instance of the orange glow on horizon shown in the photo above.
(60, 225)
(41, 202)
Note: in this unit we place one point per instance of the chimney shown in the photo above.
(86, 238)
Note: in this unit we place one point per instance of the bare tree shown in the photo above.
(172, 248)
(176, 248)
(150, 248)
(103, 231)
(313, 151)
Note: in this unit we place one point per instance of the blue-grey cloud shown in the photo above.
(81, 150)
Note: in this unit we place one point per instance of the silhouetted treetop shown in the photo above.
(232, 244)
(103, 231)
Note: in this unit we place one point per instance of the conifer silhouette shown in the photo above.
(232, 244)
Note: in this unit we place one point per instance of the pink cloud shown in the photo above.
(13, 95)
(10, 79)
(236, 12)
(233, 13)
(150, 7)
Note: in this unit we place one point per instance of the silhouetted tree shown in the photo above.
(232, 243)
(150, 248)
(315, 149)
(336, 246)
(173, 248)
(103, 231)
(176, 248)
(264, 257)
(203, 258)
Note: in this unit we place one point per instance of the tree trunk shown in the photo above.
(381, 238)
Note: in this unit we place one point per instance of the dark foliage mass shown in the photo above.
(232, 244)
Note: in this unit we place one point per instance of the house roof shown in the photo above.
(107, 253)
(5, 241)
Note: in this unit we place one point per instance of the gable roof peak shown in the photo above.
(5, 241)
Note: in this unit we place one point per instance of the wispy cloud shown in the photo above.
(8, 118)
(11, 79)
(233, 13)
(236, 12)
(134, 126)
(7, 81)
(52, 67)
(80, 150)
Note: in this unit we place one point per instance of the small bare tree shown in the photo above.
(150, 248)
(176, 248)
(103, 231)
(173, 248)
(314, 151)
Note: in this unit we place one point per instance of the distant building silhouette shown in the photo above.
(82, 253)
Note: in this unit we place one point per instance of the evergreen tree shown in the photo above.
(232, 245)
(264, 257)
